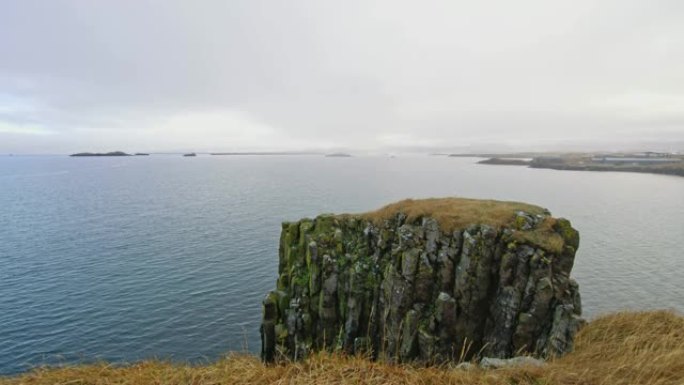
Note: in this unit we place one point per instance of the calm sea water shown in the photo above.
(122, 259)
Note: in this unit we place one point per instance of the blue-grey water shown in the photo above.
(121, 259)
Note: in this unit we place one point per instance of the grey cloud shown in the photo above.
(364, 74)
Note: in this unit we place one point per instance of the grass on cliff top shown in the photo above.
(456, 213)
(617, 349)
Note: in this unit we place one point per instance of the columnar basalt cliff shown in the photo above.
(425, 280)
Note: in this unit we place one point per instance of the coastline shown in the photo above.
(506, 161)
(574, 164)
(637, 169)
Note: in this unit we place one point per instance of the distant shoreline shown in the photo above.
(673, 165)
(506, 161)
(675, 171)
(262, 153)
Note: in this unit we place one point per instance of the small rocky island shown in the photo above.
(432, 281)
(113, 153)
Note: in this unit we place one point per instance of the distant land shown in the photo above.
(643, 162)
(504, 155)
(338, 155)
(265, 153)
(113, 153)
(506, 161)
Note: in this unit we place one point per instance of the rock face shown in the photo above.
(426, 280)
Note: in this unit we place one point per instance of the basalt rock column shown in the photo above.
(425, 280)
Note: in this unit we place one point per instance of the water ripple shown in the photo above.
(160, 257)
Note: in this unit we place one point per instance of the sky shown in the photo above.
(374, 76)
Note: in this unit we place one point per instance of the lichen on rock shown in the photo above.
(432, 280)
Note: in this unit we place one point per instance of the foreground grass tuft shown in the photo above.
(621, 348)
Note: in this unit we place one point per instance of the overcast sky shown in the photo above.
(366, 75)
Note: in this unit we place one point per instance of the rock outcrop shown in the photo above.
(425, 280)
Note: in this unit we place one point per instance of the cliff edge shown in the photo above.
(431, 280)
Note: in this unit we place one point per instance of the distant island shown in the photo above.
(190, 154)
(643, 162)
(113, 153)
(506, 161)
(338, 155)
(141, 154)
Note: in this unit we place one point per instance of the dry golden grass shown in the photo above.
(456, 213)
(626, 348)
(622, 348)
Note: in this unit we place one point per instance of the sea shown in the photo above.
(167, 257)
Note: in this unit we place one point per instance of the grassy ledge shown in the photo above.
(456, 213)
(617, 349)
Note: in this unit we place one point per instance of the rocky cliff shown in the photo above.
(425, 280)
